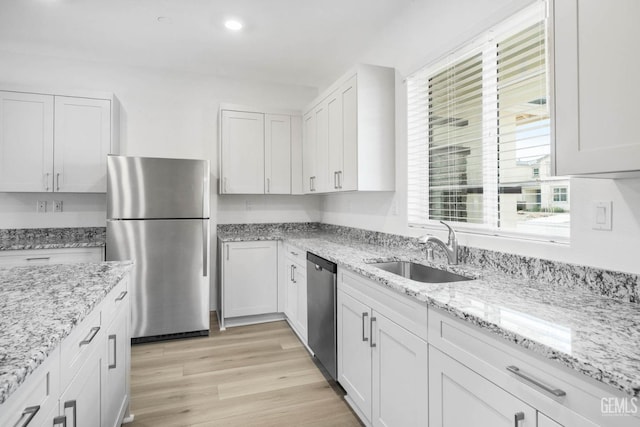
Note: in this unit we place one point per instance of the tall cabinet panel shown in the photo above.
(277, 151)
(82, 142)
(596, 90)
(321, 181)
(242, 149)
(26, 142)
(335, 142)
(348, 176)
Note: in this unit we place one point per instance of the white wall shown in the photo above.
(161, 115)
(422, 34)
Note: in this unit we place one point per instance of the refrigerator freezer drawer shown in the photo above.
(169, 283)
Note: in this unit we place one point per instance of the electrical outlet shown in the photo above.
(41, 206)
(57, 205)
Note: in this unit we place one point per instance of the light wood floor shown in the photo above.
(258, 375)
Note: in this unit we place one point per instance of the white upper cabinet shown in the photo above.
(242, 152)
(349, 138)
(595, 64)
(277, 152)
(257, 151)
(26, 142)
(54, 143)
(82, 142)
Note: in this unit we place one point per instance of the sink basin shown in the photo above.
(419, 272)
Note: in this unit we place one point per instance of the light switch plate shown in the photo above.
(602, 215)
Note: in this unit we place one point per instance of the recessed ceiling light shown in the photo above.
(233, 24)
(164, 20)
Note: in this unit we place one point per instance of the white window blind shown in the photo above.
(479, 135)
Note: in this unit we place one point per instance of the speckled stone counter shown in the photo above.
(40, 306)
(51, 238)
(594, 334)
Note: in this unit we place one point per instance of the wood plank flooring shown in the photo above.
(258, 375)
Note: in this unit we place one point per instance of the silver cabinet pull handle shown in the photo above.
(554, 391)
(29, 412)
(371, 343)
(364, 316)
(335, 180)
(268, 185)
(517, 417)
(58, 181)
(60, 421)
(38, 258)
(121, 296)
(339, 179)
(91, 336)
(71, 404)
(46, 181)
(292, 274)
(115, 351)
(294, 253)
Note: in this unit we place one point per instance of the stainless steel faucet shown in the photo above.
(450, 248)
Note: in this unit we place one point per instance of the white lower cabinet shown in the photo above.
(249, 278)
(480, 380)
(460, 397)
(80, 402)
(296, 293)
(381, 365)
(116, 365)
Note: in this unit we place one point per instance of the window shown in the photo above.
(560, 194)
(479, 135)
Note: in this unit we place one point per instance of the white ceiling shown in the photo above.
(300, 42)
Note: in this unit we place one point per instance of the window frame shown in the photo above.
(489, 39)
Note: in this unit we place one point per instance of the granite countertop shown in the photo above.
(51, 238)
(596, 335)
(40, 306)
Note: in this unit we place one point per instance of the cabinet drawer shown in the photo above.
(79, 345)
(50, 256)
(497, 361)
(401, 309)
(296, 255)
(36, 398)
(118, 297)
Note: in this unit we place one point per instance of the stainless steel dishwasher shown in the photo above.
(321, 311)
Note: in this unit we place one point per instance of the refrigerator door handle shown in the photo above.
(205, 247)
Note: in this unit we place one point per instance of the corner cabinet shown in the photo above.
(349, 134)
(382, 363)
(55, 143)
(258, 150)
(595, 87)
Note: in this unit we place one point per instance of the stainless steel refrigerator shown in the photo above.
(158, 216)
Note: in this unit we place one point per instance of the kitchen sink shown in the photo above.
(419, 272)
